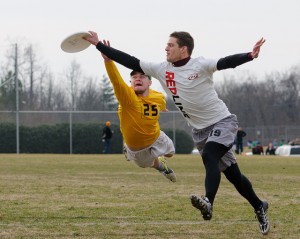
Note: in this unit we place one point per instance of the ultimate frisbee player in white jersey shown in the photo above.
(189, 82)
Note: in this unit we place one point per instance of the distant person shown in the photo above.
(239, 141)
(270, 149)
(258, 149)
(107, 134)
(249, 144)
(295, 141)
(282, 142)
(275, 143)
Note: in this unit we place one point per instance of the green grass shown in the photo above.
(104, 196)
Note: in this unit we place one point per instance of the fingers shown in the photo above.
(92, 33)
(93, 38)
(256, 48)
(260, 42)
(106, 43)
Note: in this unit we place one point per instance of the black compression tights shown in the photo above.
(242, 185)
(212, 154)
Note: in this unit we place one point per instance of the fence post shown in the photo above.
(17, 101)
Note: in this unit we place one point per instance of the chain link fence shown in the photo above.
(267, 134)
(168, 120)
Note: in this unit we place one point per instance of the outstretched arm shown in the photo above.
(239, 59)
(118, 56)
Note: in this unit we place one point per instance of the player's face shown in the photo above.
(140, 83)
(174, 52)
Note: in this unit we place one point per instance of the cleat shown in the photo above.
(262, 218)
(125, 153)
(168, 173)
(202, 204)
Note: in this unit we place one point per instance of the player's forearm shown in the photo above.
(121, 57)
(233, 61)
(114, 75)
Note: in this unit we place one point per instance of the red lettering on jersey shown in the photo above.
(173, 90)
(170, 75)
(170, 83)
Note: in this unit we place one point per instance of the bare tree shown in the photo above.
(31, 59)
(73, 76)
(273, 101)
(90, 96)
(289, 89)
(8, 91)
(109, 101)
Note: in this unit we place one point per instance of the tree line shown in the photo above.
(273, 100)
(39, 90)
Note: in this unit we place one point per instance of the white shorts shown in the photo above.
(144, 158)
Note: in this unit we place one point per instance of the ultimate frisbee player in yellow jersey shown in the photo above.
(139, 111)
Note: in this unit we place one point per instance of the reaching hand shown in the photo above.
(256, 48)
(93, 39)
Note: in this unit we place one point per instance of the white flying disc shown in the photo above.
(75, 42)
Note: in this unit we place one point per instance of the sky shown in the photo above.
(142, 27)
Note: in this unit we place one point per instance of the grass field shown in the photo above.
(104, 196)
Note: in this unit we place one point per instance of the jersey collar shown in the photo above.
(181, 62)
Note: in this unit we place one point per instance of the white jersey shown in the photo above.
(191, 88)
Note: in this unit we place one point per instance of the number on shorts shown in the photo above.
(215, 132)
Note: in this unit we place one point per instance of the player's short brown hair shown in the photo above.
(184, 39)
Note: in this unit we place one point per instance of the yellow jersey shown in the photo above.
(138, 115)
